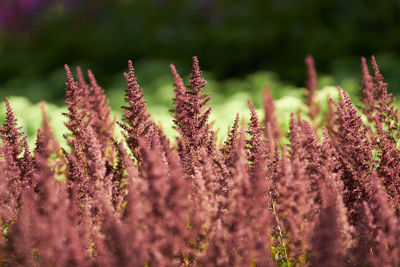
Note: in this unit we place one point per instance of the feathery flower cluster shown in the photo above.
(311, 86)
(330, 201)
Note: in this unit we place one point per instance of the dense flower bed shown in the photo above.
(328, 198)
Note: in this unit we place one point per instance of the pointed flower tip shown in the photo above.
(8, 106)
(173, 70)
(196, 67)
(130, 68)
(237, 116)
(79, 69)
(42, 105)
(339, 89)
(92, 78)
(378, 75)
(267, 90)
(252, 109)
(81, 78)
(309, 59)
(363, 60)
(70, 77)
(373, 61)
(67, 69)
(364, 66)
(43, 109)
(344, 92)
(130, 64)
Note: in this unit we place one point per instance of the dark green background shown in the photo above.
(232, 38)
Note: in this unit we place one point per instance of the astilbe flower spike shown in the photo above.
(330, 120)
(191, 118)
(78, 125)
(19, 169)
(137, 121)
(305, 146)
(377, 102)
(101, 121)
(354, 153)
(311, 86)
(98, 111)
(272, 129)
(82, 83)
(367, 90)
(257, 146)
(87, 171)
(179, 93)
(77, 112)
(229, 150)
(386, 112)
(224, 159)
(47, 146)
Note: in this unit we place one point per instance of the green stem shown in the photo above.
(282, 242)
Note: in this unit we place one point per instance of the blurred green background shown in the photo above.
(242, 46)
